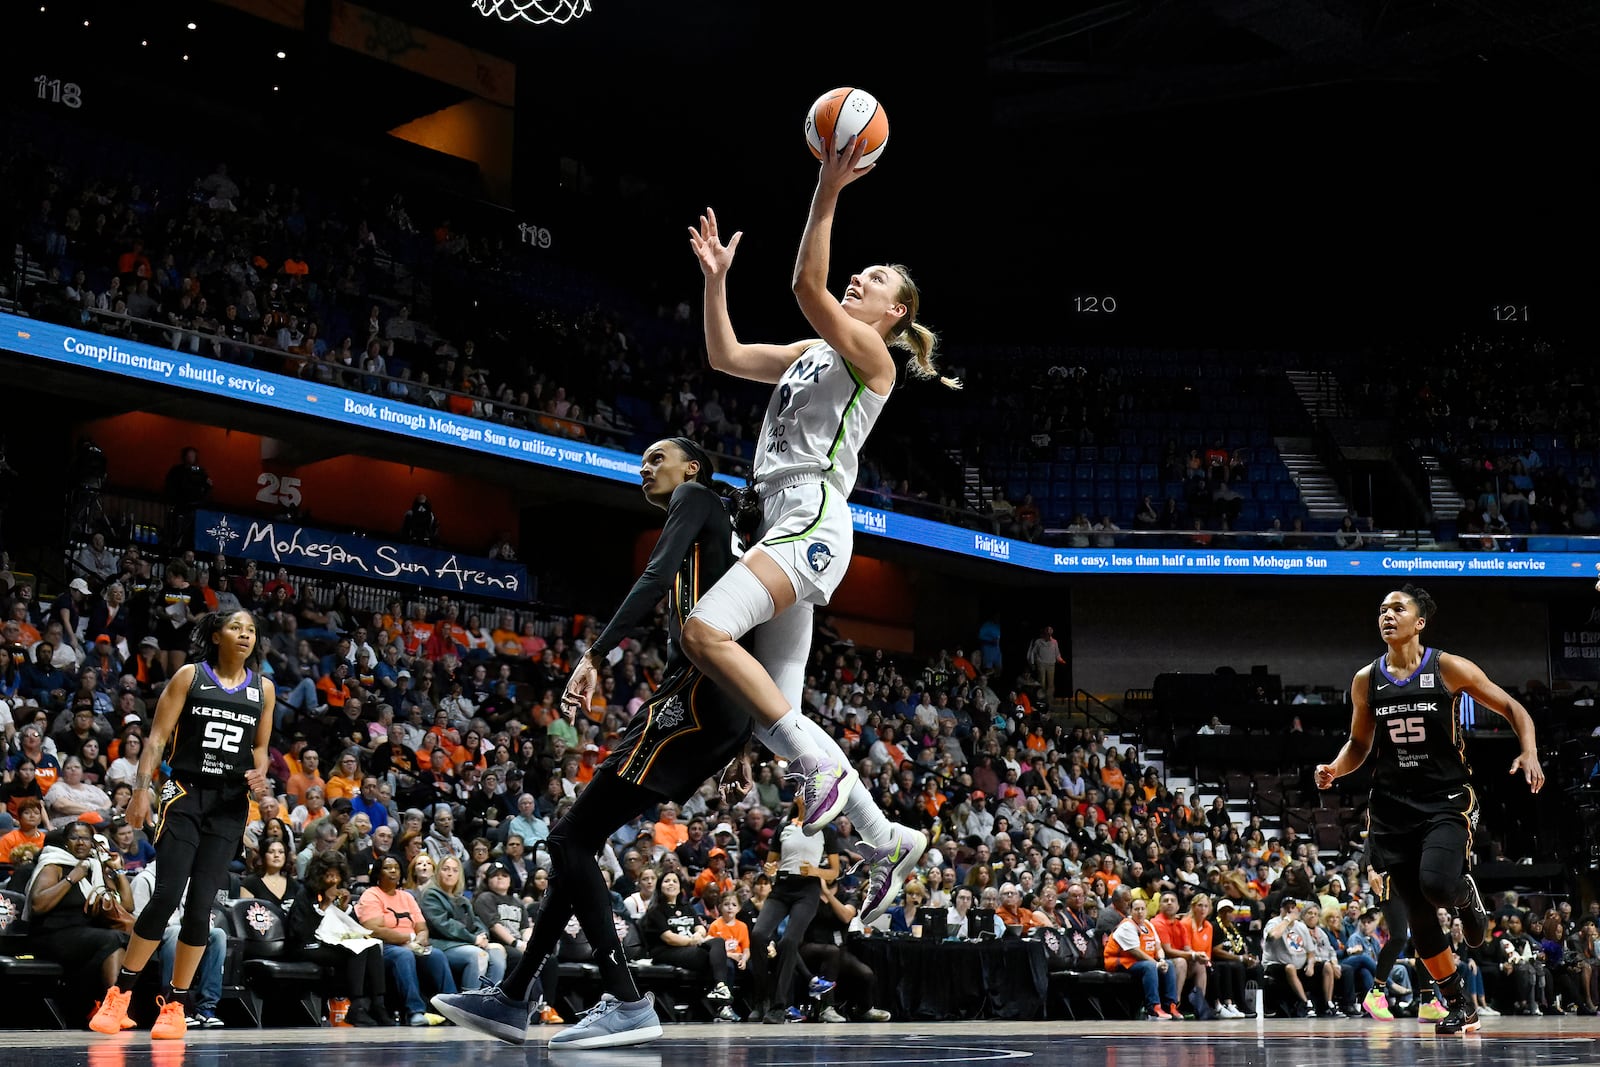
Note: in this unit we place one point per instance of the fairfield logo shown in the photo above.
(875, 522)
(996, 547)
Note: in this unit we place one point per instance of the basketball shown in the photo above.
(843, 113)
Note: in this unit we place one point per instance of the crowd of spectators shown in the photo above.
(1514, 422)
(415, 742)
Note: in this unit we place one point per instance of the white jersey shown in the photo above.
(818, 418)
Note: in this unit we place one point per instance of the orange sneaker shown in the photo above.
(549, 1016)
(170, 1024)
(111, 1014)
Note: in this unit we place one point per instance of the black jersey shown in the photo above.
(695, 549)
(214, 740)
(1419, 753)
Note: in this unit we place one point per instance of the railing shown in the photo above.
(1096, 711)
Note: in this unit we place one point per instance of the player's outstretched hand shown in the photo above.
(256, 782)
(1325, 775)
(1529, 766)
(715, 257)
(839, 169)
(736, 780)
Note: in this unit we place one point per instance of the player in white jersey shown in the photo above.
(829, 392)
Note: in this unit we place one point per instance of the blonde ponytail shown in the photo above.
(915, 338)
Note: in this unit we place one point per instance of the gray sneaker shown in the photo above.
(611, 1023)
(488, 1011)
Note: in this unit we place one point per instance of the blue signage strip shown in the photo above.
(361, 557)
(1250, 561)
(1549, 558)
(280, 392)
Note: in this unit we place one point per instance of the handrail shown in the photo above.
(1084, 703)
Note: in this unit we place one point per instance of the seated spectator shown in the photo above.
(502, 913)
(30, 816)
(456, 930)
(271, 877)
(674, 935)
(72, 796)
(1134, 946)
(66, 877)
(311, 937)
(395, 918)
(136, 850)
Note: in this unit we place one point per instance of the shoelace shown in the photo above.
(594, 1014)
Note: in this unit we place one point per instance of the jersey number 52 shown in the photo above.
(1408, 731)
(223, 736)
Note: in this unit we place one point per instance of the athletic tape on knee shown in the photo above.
(737, 604)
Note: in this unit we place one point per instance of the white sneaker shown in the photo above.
(831, 1015)
(1486, 1010)
(1228, 1011)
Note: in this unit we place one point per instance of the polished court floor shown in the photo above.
(1522, 1042)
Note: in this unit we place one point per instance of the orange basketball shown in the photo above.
(843, 113)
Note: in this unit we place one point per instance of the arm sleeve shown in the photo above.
(692, 504)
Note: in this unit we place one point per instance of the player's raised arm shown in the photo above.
(757, 363)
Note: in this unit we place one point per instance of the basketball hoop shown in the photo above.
(534, 11)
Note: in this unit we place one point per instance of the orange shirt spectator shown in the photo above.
(331, 688)
(1011, 912)
(1035, 741)
(1130, 934)
(733, 931)
(1111, 777)
(340, 786)
(507, 642)
(714, 874)
(964, 665)
(532, 645)
(1169, 930)
(295, 267)
(298, 784)
(670, 833)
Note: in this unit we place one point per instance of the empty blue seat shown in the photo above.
(1288, 493)
(1127, 472)
(1088, 454)
(1039, 472)
(1149, 472)
(1061, 491)
(1110, 454)
(1128, 492)
(1084, 472)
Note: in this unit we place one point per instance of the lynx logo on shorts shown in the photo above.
(670, 715)
(170, 791)
(819, 556)
(1426, 681)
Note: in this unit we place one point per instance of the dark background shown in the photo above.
(1287, 173)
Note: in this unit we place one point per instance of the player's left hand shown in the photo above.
(580, 689)
(736, 780)
(256, 782)
(1528, 764)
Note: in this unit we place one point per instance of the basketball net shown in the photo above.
(534, 11)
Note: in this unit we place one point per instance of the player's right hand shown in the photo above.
(1325, 775)
(715, 257)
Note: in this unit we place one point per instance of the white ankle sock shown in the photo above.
(868, 819)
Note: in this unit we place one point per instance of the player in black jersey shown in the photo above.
(686, 733)
(212, 727)
(1423, 809)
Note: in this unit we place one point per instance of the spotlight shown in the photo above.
(283, 55)
(192, 26)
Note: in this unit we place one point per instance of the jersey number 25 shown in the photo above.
(1408, 731)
